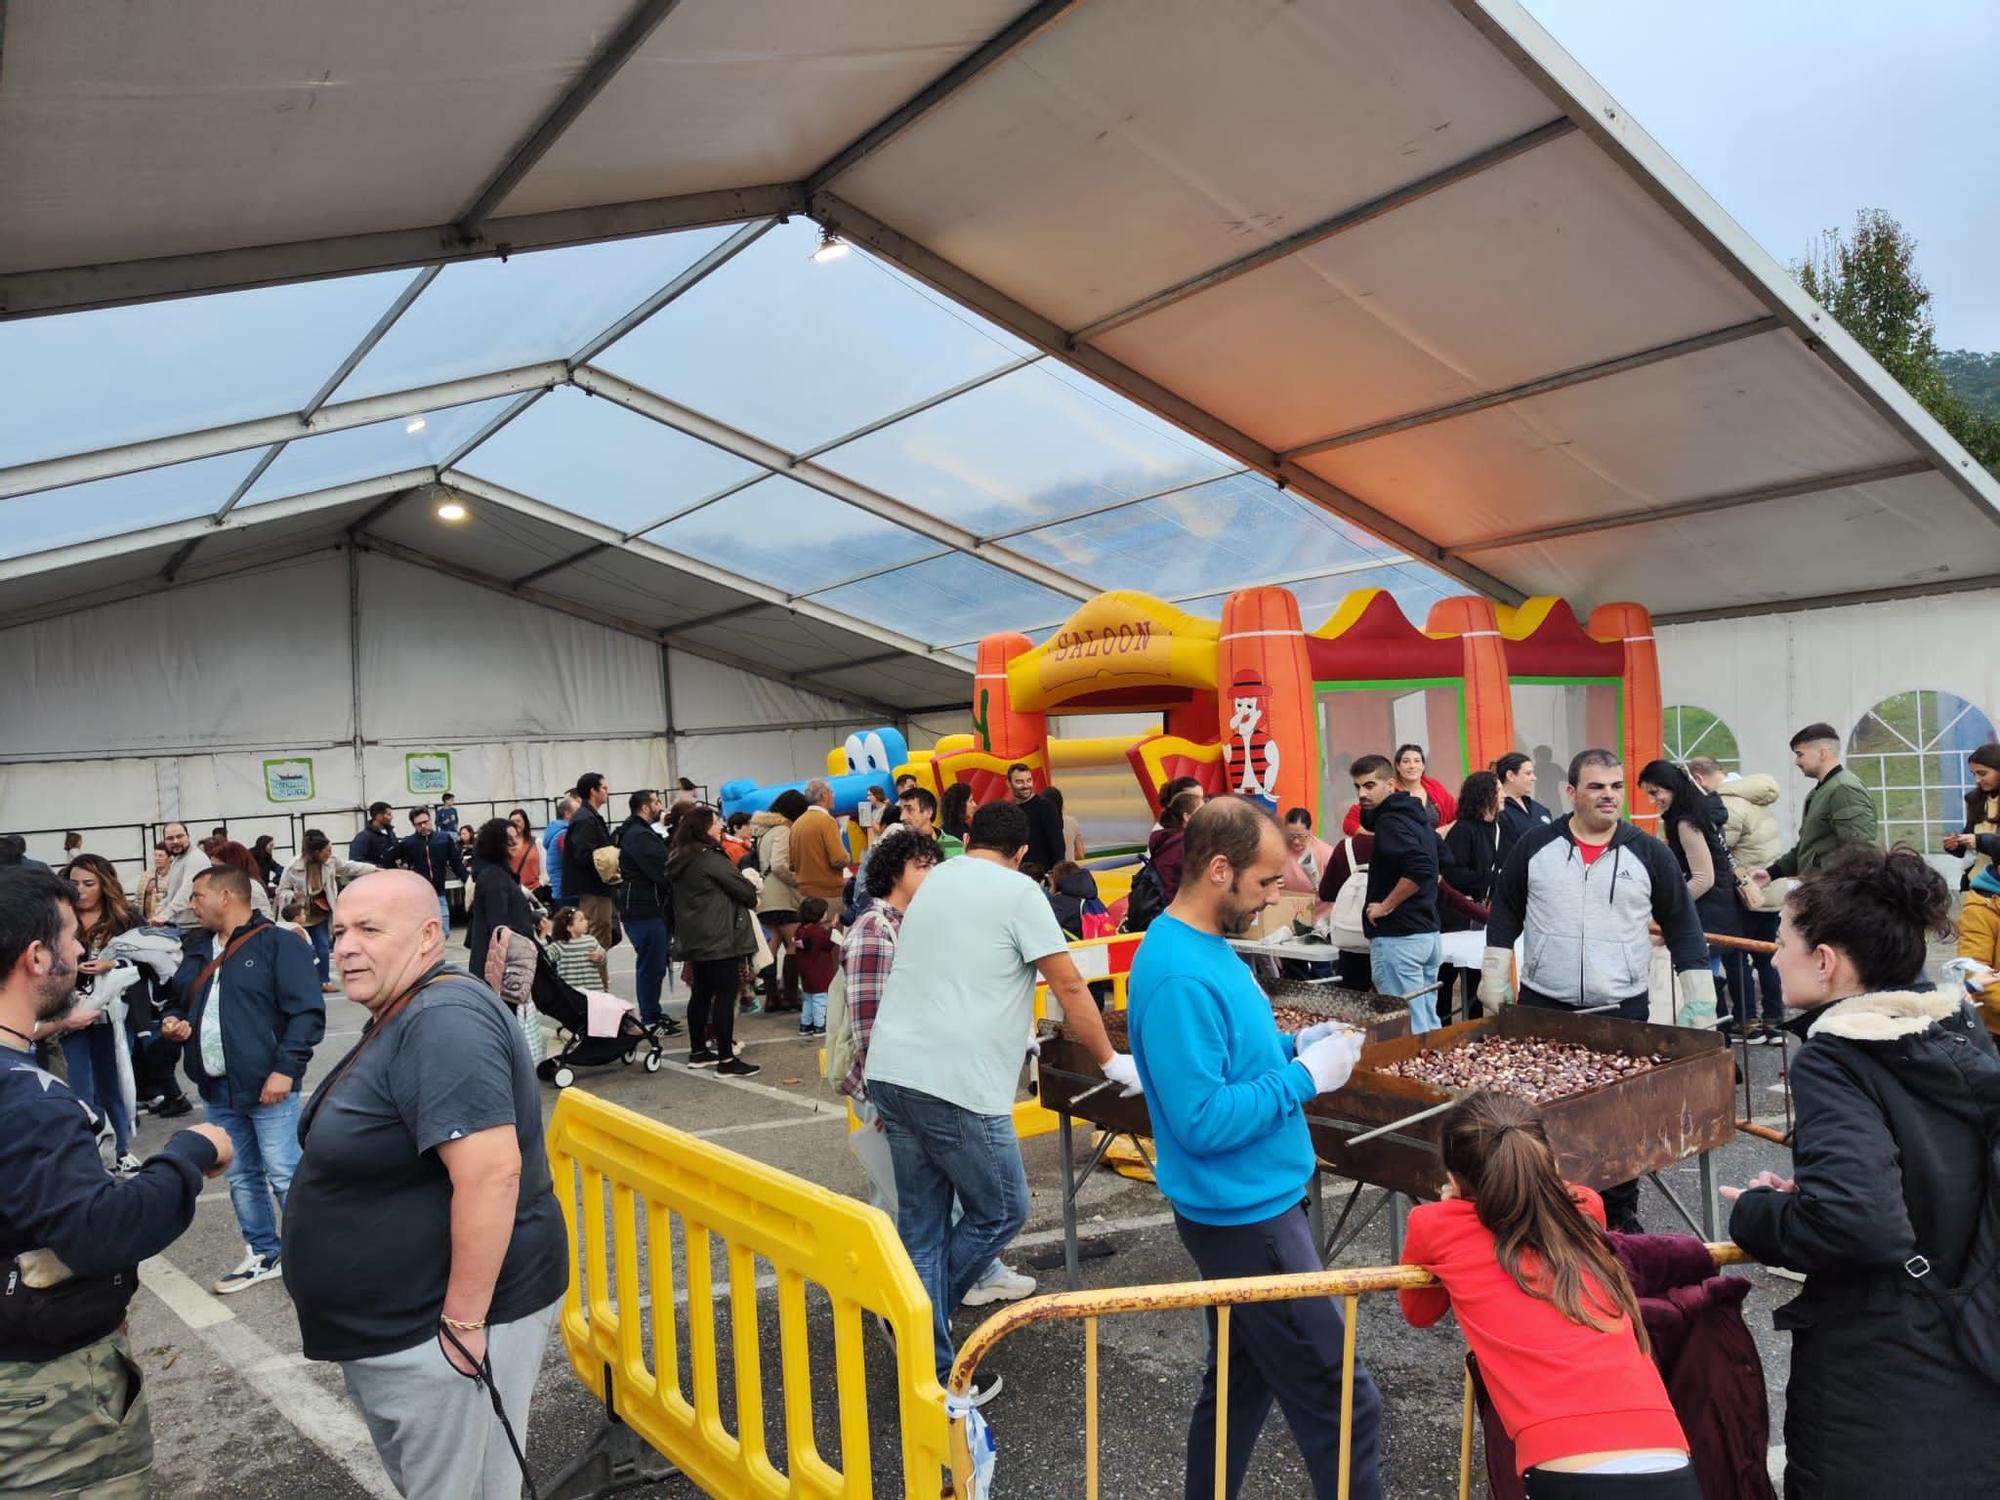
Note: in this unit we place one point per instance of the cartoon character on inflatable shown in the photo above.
(1252, 756)
(869, 756)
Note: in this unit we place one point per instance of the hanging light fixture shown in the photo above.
(831, 247)
(451, 510)
(415, 425)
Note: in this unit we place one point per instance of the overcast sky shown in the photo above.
(1795, 114)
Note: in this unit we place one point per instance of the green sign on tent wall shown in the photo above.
(289, 779)
(428, 773)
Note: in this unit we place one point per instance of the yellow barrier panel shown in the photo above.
(664, 1178)
(1350, 1286)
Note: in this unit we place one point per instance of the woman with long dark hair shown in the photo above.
(267, 864)
(90, 1042)
(1897, 1090)
(1547, 1311)
(1693, 831)
(524, 853)
(1471, 859)
(1413, 776)
(713, 902)
(497, 898)
(955, 809)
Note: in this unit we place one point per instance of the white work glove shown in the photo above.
(1331, 1059)
(1316, 1032)
(1496, 978)
(1697, 999)
(1121, 1070)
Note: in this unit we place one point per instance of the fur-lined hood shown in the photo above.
(1885, 1015)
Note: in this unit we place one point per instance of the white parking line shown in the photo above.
(756, 1125)
(329, 1424)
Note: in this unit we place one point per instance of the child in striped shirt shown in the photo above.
(578, 959)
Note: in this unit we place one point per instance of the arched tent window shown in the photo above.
(1692, 731)
(1909, 751)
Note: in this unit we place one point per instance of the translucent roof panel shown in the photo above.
(1414, 587)
(124, 374)
(792, 537)
(943, 599)
(484, 315)
(800, 352)
(1040, 442)
(598, 459)
(1227, 533)
(318, 463)
(121, 504)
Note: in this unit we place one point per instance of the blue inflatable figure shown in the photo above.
(871, 757)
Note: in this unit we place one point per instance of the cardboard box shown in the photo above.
(1276, 920)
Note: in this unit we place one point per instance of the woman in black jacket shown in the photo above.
(1471, 856)
(497, 898)
(1898, 1095)
(712, 932)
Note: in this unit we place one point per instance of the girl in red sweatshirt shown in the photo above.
(1547, 1311)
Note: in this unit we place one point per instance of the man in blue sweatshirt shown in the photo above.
(1227, 1090)
(66, 1222)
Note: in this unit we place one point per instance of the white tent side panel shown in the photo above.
(709, 695)
(118, 716)
(445, 658)
(1767, 676)
(235, 661)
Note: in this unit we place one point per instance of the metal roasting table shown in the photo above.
(1630, 1128)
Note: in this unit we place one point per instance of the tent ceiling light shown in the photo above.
(415, 425)
(831, 247)
(451, 510)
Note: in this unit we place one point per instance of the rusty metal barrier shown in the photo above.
(1087, 1307)
(621, 1289)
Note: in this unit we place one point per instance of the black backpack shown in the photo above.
(1148, 898)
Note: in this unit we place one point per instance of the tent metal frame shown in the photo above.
(475, 232)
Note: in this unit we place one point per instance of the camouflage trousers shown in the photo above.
(76, 1425)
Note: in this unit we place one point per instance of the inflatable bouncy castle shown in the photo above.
(1256, 704)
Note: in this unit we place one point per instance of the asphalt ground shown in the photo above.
(237, 1412)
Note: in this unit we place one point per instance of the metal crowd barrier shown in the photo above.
(618, 1173)
(1087, 1307)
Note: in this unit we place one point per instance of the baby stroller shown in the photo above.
(565, 1005)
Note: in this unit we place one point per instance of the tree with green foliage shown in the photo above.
(1868, 281)
(1975, 377)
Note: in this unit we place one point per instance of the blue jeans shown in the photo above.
(266, 1138)
(444, 912)
(92, 1060)
(941, 1152)
(1402, 966)
(812, 1011)
(649, 962)
(321, 937)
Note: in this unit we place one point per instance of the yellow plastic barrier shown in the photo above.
(1350, 1286)
(616, 1170)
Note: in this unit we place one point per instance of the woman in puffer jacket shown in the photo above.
(1898, 1095)
(1750, 833)
(778, 904)
(1979, 917)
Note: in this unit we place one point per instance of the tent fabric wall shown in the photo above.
(1767, 676)
(709, 695)
(185, 668)
(444, 658)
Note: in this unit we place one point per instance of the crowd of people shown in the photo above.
(407, 1205)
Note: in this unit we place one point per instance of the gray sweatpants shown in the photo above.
(435, 1428)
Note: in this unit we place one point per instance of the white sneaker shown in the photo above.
(1001, 1284)
(253, 1269)
(126, 1164)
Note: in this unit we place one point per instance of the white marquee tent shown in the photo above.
(1149, 293)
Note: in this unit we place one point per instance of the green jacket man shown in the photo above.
(1838, 809)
